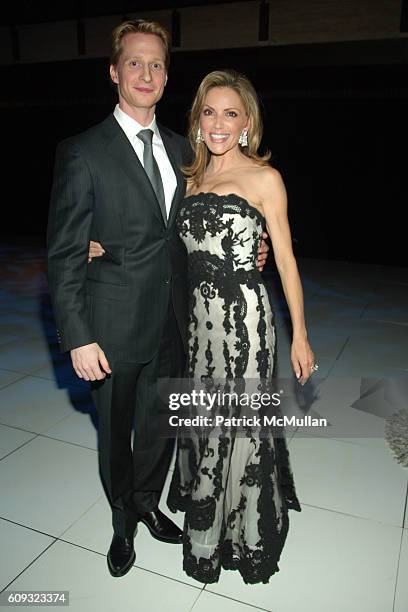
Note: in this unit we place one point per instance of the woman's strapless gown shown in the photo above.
(235, 490)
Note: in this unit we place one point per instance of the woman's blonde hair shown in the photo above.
(244, 88)
(133, 26)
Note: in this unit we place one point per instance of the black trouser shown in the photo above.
(134, 478)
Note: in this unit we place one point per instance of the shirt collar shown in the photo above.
(131, 127)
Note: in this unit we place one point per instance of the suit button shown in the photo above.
(166, 281)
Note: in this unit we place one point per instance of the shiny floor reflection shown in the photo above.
(346, 551)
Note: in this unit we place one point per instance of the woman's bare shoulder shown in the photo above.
(269, 180)
(268, 174)
(270, 188)
(190, 187)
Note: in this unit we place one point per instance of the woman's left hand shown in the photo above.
(262, 252)
(302, 358)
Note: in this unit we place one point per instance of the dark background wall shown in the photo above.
(335, 117)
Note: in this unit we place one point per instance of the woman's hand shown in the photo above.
(262, 252)
(95, 250)
(303, 359)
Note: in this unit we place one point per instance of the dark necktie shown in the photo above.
(152, 169)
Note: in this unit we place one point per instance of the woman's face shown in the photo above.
(222, 119)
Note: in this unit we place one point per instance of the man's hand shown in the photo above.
(95, 250)
(262, 252)
(89, 362)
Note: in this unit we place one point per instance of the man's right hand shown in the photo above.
(95, 250)
(89, 362)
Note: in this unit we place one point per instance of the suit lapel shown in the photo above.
(125, 157)
(174, 155)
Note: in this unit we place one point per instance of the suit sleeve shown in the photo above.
(69, 226)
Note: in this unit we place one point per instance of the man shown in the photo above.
(123, 317)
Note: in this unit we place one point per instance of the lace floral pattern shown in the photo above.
(236, 490)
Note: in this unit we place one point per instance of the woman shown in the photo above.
(235, 490)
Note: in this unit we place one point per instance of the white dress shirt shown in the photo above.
(131, 128)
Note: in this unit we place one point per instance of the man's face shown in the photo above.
(140, 72)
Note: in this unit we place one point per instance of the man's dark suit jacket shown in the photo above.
(101, 192)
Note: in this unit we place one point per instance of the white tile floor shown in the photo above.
(347, 551)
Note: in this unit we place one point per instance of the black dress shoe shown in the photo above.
(161, 527)
(121, 555)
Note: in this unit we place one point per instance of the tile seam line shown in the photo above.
(356, 516)
(29, 565)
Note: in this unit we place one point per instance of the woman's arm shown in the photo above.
(274, 203)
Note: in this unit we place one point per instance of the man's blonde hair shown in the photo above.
(138, 25)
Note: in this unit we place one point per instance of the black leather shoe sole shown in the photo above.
(123, 570)
(162, 538)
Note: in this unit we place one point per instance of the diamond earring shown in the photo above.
(199, 137)
(243, 139)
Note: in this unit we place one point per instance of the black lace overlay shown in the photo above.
(235, 489)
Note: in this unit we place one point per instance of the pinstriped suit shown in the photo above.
(132, 301)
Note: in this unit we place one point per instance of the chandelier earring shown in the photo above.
(243, 138)
(199, 137)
